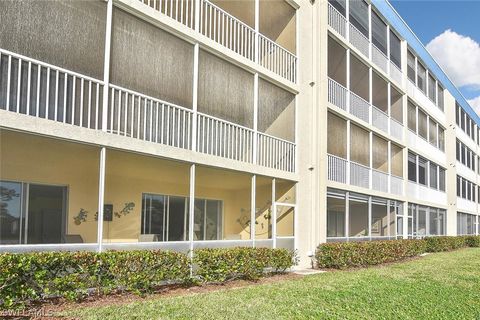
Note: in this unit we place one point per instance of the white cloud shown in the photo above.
(459, 56)
(475, 103)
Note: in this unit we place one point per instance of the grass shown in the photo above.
(438, 286)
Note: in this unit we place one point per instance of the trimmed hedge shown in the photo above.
(439, 244)
(341, 255)
(36, 276)
(218, 265)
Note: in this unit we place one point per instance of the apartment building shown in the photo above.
(184, 124)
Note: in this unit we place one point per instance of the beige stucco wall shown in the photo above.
(29, 158)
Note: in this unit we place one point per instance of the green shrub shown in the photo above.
(444, 243)
(218, 265)
(342, 255)
(36, 276)
(472, 241)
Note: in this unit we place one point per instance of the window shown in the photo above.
(411, 66)
(359, 16)
(165, 218)
(395, 50)
(422, 171)
(421, 77)
(441, 138)
(458, 151)
(412, 167)
(465, 223)
(358, 216)
(432, 132)
(379, 33)
(440, 100)
(422, 124)
(441, 179)
(459, 186)
(335, 215)
(432, 88)
(433, 175)
(412, 117)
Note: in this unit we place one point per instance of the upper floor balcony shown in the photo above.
(357, 89)
(266, 36)
(364, 29)
(37, 89)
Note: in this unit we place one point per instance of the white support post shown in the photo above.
(389, 164)
(347, 214)
(253, 209)
(197, 15)
(370, 95)
(191, 212)
(348, 78)
(370, 160)
(369, 218)
(257, 30)
(255, 119)
(106, 64)
(196, 53)
(101, 197)
(389, 106)
(274, 215)
(348, 152)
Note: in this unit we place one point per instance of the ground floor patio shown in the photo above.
(51, 192)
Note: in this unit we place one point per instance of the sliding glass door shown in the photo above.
(32, 213)
(45, 222)
(11, 219)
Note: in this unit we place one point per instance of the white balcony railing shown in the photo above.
(352, 173)
(337, 94)
(379, 180)
(359, 107)
(275, 153)
(379, 119)
(45, 91)
(396, 185)
(225, 29)
(277, 59)
(230, 32)
(359, 175)
(224, 139)
(359, 40)
(337, 21)
(337, 169)
(41, 90)
(340, 24)
(142, 117)
(181, 10)
(379, 58)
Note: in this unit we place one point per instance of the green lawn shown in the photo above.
(438, 286)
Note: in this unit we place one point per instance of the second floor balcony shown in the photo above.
(37, 89)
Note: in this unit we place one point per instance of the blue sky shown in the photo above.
(456, 50)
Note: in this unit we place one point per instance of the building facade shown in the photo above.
(184, 124)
